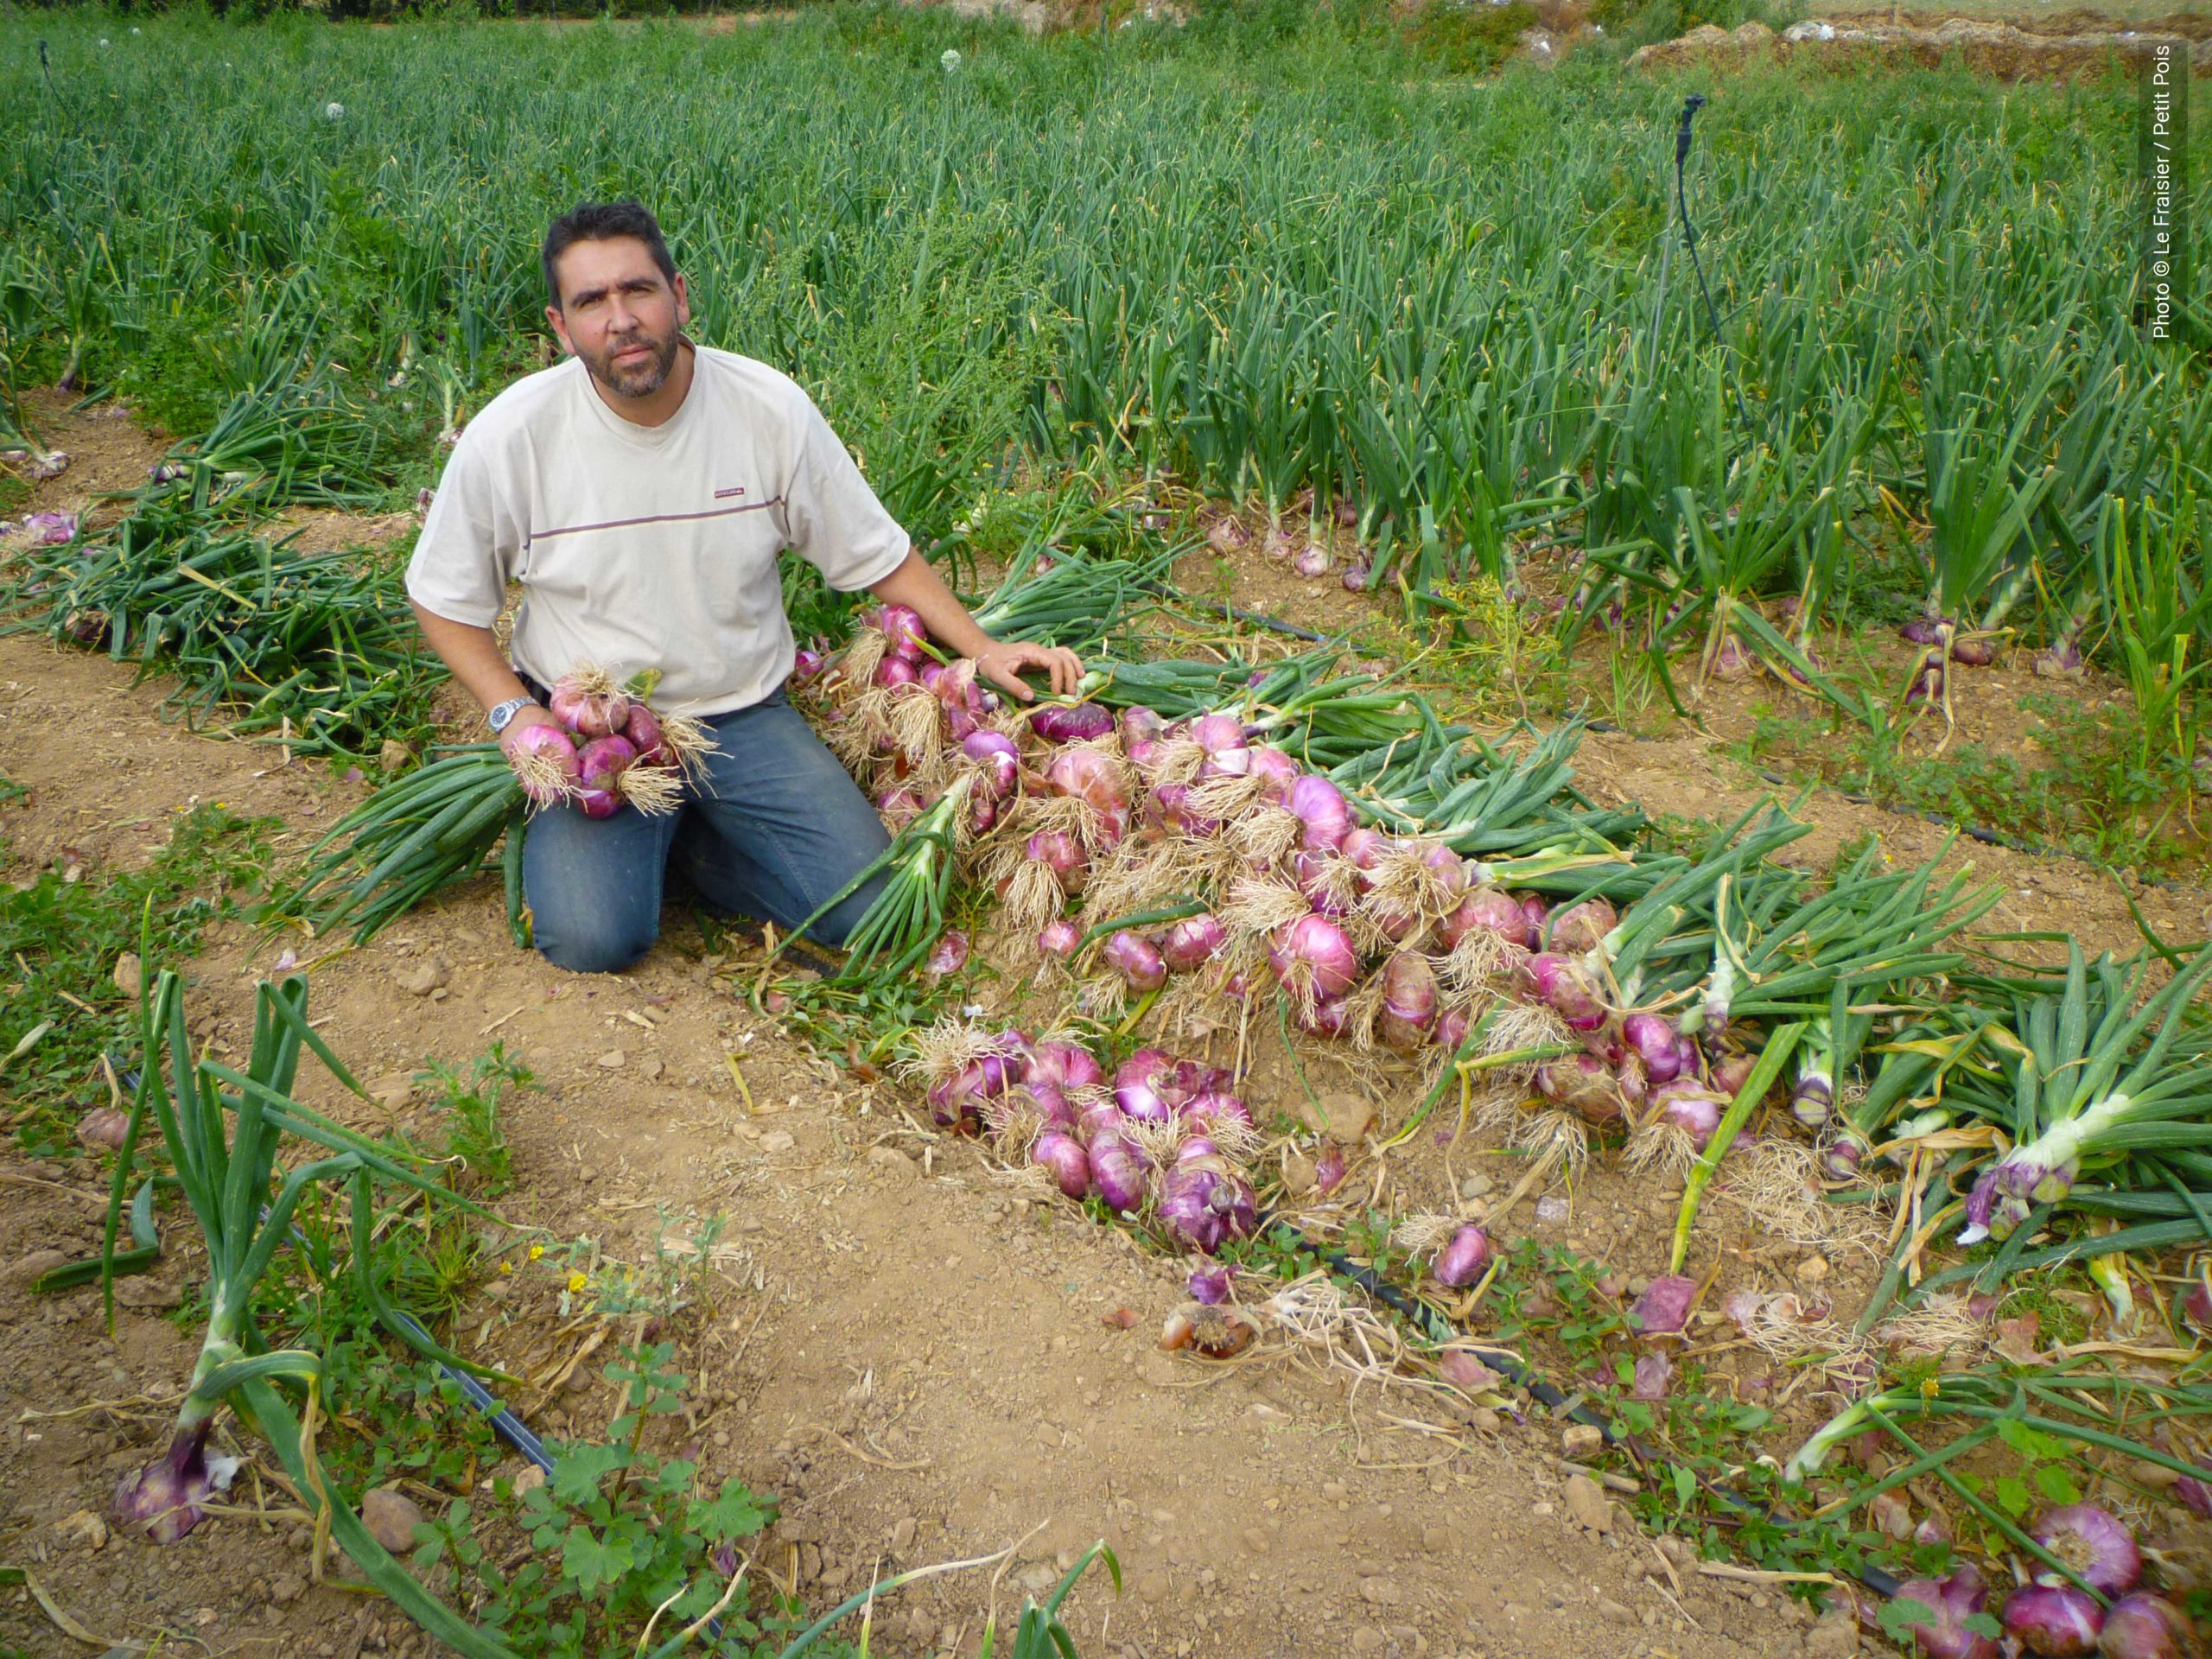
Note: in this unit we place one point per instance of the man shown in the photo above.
(640, 493)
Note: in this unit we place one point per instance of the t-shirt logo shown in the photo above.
(734, 491)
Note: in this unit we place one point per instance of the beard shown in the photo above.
(635, 379)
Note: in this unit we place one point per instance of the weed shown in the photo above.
(63, 937)
(470, 1104)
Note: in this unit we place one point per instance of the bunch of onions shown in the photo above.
(609, 750)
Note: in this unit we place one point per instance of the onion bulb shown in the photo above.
(903, 635)
(1058, 938)
(2055, 1621)
(1192, 942)
(603, 761)
(1561, 986)
(1409, 1001)
(997, 763)
(2140, 1625)
(1584, 1084)
(1222, 737)
(544, 759)
(1062, 1157)
(588, 706)
(1325, 816)
(1580, 928)
(1485, 910)
(1463, 1258)
(1205, 1207)
(1951, 1602)
(597, 802)
(1136, 960)
(1060, 722)
(1137, 1086)
(643, 730)
(1069, 1065)
(2097, 1545)
(1313, 957)
(1116, 1173)
(1277, 772)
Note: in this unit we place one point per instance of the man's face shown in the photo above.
(618, 314)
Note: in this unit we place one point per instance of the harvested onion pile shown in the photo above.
(609, 748)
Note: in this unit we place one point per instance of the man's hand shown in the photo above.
(528, 715)
(1002, 661)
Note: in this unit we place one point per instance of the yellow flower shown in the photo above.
(506, 1267)
(1930, 1387)
(576, 1281)
(537, 1252)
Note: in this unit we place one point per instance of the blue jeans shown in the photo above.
(771, 829)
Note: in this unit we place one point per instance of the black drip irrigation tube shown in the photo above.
(1548, 1394)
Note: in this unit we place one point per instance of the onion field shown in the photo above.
(1821, 421)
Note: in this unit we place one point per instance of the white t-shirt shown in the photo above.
(650, 547)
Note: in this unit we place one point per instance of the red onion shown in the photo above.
(1328, 1017)
(2088, 1539)
(1277, 772)
(2195, 1496)
(1536, 912)
(950, 956)
(1324, 815)
(545, 761)
(1218, 1106)
(1691, 1107)
(1926, 685)
(2196, 1303)
(1580, 928)
(597, 802)
(1139, 724)
(1053, 1106)
(1732, 1073)
(1313, 956)
(1649, 1381)
(604, 759)
(1973, 651)
(1192, 942)
(2143, 1626)
(1463, 1258)
(2055, 1621)
(1628, 1078)
(1488, 911)
(1367, 848)
(1210, 1285)
(588, 714)
(904, 636)
(1354, 575)
(103, 1128)
(2062, 661)
(1328, 1170)
(1170, 807)
(1584, 1084)
(805, 664)
(1312, 872)
(1409, 1001)
(643, 730)
(1062, 1157)
(899, 806)
(1661, 1310)
(1450, 1029)
(1206, 1207)
(1059, 939)
(1311, 561)
(1058, 722)
(1448, 868)
(1221, 736)
(1070, 1066)
(893, 672)
(1951, 1602)
(1136, 959)
(1136, 1085)
(1095, 778)
(1560, 985)
(161, 1502)
(1063, 854)
(1653, 1040)
(997, 762)
(1923, 630)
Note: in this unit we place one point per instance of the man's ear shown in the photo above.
(560, 326)
(683, 302)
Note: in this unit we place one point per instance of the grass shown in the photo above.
(60, 940)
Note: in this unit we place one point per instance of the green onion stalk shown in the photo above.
(227, 1186)
(896, 931)
(2072, 1101)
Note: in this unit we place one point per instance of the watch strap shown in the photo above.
(498, 717)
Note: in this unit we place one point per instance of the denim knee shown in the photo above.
(606, 949)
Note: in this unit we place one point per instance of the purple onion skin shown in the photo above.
(1059, 939)
(1210, 1285)
(1310, 870)
(1205, 1208)
(1062, 1157)
(1409, 1001)
(1839, 1160)
(1320, 947)
(1535, 913)
(1690, 1107)
(1584, 1084)
(1324, 815)
(1450, 1029)
(894, 672)
(1732, 1073)
(1654, 1372)
(1652, 1038)
(161, 1502)
(1329, 1018)
(643, 730)
(1055, 1107)
(805, 664)
(1489, 910)
(1463, 1258)
(950, 956)
(1136, 960)
(1921, 630)
(2197, 1305)
(1116, 1173)
(1215, 1105)
(603, 759)
(1193, 942)
(2055, 1621)
(597, 802)
(997, 760)
(1277, 772)
(2140, 1625)
(2091, 1541)
(1660, 1310)
(1070, 1066)
(1328, 1170)
(903, 632)
(1951, 1601)
(1139, 724)
(1974, 653)
(1560, 984)
(1070, 723)
(1580, 928)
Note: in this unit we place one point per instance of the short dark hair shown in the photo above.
(601, 221)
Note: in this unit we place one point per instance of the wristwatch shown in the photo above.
(498, 718)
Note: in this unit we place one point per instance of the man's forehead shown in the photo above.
(603, 263)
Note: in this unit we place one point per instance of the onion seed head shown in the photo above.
(2140, 1625)
(2055, 1621)
(2094, 1544)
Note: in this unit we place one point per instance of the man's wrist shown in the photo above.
(500, 715)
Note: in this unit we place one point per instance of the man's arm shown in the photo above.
(473, 655)
(917, 584)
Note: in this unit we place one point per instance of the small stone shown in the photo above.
(902, 1533)
(26, 1269)
(529, 1480)
(1551, 1210)
(1580, 1440)
(1436, 1540)
(1614, 1610)
(1367, 1639)
(1834, 1635)
(1335, 1490)
(2152, 1474)
(1298, 1174)
(1475, 1187)
(1587, 1506)
(391, 1516)
(129, 977)
(651, 1069)
(613, 1060)
(1255, 1540)
(1153, 1586)
(149, 1295)
(394, 755)
(1342, 1117)
(776, 1141)
(83, 1527)
(894, 1163)
(1812, 1270)
(287, 1588)
(431, 974)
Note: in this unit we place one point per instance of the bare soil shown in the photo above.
(919, 1361)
